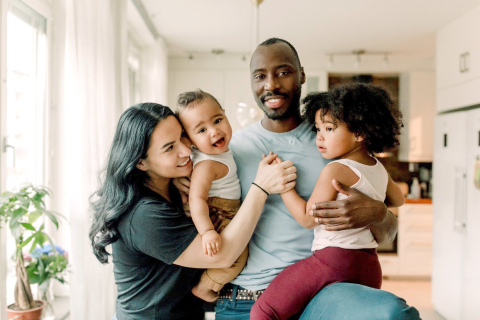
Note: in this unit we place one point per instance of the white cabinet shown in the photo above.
(456, 256)
(415, 239)
(417, 103)
(458, 62)
(414, 246)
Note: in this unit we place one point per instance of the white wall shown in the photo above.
(228, 77)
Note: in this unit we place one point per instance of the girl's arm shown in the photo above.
(395, 197)
(204, 173)
(274, 178)
(323, 191)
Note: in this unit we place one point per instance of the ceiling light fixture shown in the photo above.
(357, 55)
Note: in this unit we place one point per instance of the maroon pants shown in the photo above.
(295, 286)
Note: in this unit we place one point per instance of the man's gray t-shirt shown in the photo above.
(278, 240)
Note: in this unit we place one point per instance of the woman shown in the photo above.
(157, 252)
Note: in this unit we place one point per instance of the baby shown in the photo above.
(214, 188)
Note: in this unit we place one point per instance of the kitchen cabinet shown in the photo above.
(417, 104)
(415, 239)
(456, 257)
(458, 62)
(414, 243)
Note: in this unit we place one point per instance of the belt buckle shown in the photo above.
(256, 294)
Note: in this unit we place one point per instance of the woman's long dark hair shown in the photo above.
(123, 181)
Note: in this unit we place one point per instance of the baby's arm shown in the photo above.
(202, 177)
(395, 197)
(323, 191)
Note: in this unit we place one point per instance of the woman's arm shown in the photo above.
(274, 178)
(323, 191)
(395, 197)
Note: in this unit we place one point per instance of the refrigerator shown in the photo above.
(456, 214)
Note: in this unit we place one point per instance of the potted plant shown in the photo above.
(43, 265)
(22, 212)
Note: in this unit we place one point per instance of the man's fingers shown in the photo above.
(325, 205)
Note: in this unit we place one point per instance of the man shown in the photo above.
(278, 241)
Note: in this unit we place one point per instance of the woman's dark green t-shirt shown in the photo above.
(151, 237)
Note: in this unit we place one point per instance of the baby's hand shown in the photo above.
(212, 242)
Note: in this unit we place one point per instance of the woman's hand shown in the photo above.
(275, 177)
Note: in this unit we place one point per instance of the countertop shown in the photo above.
(419, 201)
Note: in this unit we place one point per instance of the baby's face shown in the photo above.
(207, 126)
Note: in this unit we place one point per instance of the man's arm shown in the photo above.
(357, 211)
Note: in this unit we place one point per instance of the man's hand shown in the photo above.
(357, 211)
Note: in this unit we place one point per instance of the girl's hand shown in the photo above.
(212, 242)
(275, 177)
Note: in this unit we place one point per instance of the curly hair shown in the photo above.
(367, 110)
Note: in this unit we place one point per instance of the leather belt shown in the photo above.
(242, 294)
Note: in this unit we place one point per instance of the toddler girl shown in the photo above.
(214, 188)
(352, 123)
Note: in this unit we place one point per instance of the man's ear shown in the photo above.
(142, 165)
(303, 77)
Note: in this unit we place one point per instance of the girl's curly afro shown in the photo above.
(367, 110)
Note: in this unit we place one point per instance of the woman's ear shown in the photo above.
(142, 165)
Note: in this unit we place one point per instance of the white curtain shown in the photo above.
(154, 73)
(89, 83)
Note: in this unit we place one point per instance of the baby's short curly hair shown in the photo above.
(367, 110)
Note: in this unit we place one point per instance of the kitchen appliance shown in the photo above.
(456, 207)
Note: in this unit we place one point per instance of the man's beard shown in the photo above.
(292, 111)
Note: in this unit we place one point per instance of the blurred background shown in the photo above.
(69, 68)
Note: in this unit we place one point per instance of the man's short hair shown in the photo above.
(271, 41)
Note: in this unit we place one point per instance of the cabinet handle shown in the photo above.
(467, 61)
(464, 62)
(459, 214)
(461, 65)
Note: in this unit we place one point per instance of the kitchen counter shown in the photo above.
(419, 201)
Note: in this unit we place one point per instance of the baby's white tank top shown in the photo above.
(372, 182)
(227, 187)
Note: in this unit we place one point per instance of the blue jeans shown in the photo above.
(340, 301)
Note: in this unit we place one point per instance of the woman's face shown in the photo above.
(168, 156)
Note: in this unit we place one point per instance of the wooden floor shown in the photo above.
(417, 293)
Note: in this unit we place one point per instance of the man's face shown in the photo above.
(276, 79)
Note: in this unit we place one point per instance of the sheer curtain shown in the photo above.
(88, 97)
(154, 73)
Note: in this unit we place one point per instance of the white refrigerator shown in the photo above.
(456, 214)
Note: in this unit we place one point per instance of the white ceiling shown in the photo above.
(314, 27)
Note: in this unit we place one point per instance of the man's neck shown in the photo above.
(280, 126)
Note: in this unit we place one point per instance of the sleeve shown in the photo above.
(161, 231)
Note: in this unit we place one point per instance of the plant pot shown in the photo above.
(31, 314)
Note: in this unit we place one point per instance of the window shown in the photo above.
(25, 137)
(26, 87)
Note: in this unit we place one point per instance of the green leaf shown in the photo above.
(52, 217)
(28, 226)
(33, 216)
